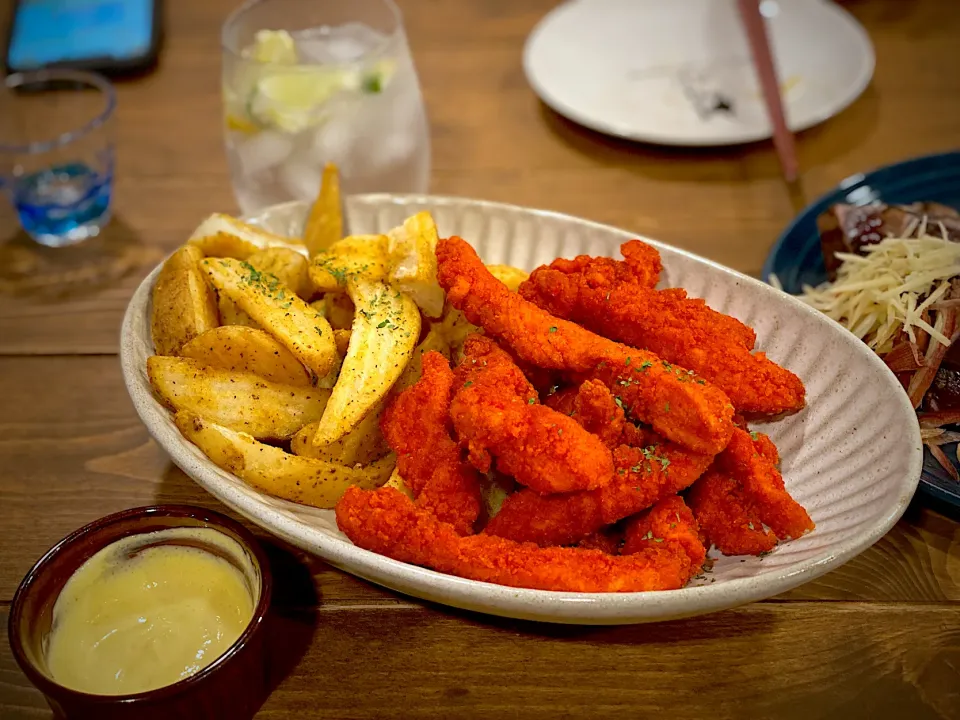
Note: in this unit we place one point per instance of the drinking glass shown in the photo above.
(311, 82)
(56, 152)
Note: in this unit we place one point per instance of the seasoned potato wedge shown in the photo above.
(324, 225)
(395, 481)
(413, 262)
(362, 256)
(183, 304)
(434, 341)
(300, 328)
(237, 400)
(251, 234)
(510, 276)
(338, 310)
(271, 470)
(234, 347)
(454, 328)
(288, 265)
(342, 338)
(385, 331)
(224, 244)
(362, 445)
(231, 314)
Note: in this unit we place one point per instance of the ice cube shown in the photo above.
(262, 151)
(340, 44)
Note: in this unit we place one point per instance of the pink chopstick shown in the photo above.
(767, 73)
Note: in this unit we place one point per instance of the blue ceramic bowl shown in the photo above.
(795, 258)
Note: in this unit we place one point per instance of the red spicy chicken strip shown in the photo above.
(560, 296)
(416, 426)
(727, 519)
(580, 287)
(679, 329)
(594, 407)
(670, 522)
(675, 402)
(495, 411)
(386, 522)
(643, 476)
(763, 487)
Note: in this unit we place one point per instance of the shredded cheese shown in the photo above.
(886, 290)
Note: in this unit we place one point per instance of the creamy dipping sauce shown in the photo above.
(150, 610)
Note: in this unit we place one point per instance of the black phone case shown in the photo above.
(108, 66)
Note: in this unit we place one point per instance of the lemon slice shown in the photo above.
(275, 47)
(292, 101)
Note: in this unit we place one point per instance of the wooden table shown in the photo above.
(877, 638)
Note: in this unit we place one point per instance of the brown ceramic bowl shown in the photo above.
(232, 687)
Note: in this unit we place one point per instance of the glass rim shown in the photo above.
(81, 76)
(391, 6)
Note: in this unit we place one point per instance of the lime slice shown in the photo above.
(291, 100)
(275, 47)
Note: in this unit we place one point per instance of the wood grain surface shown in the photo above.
(877, 638)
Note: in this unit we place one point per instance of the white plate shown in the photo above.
(664, 72)
(852, 457)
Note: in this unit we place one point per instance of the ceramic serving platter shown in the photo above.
(852, 457)
(680, 73)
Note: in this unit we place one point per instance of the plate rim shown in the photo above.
(489, 598)
(665, 139)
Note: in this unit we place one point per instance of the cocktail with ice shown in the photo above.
(307, 82)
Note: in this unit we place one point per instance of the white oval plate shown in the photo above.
(852, 457)
(680, 73)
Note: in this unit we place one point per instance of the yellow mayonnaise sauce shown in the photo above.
(149, 610)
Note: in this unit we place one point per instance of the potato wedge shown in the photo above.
(300, 328)
(252, 234)
(356, 256)
(434, 341)
(339, 310)
(324, 225)
(184, 306)
(288, 265)
(342, 338)
(238, 400)
(234, 347)
(231, 314)
(385, 331)
(510, 276)
(362, 445)
(395, 481)
(271, 470)
(413, 262)
(454, 328)
(224, 244)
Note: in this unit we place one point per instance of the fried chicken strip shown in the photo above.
(679, 329)
(727, 519)
(669, 522)
(643, 477)
(762, 485)
(385, 521)
(594, 407)
(416, 427)
(679, 405)
(495, 411)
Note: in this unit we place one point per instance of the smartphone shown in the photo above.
(113, 37)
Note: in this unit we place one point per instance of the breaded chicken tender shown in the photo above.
(678, 404)
(385, 521)
(416, 426)
(677, 328)
(495, 411)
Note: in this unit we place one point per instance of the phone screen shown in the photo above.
(64, 31)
